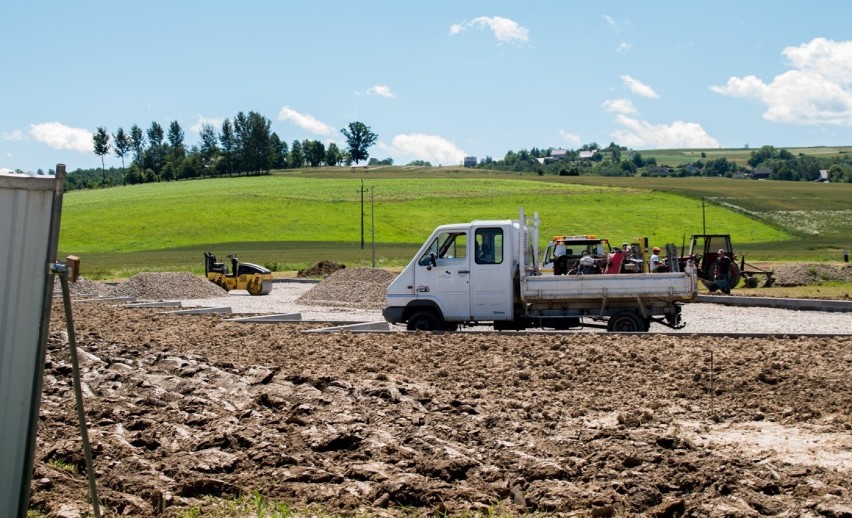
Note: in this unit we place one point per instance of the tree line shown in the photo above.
(615, 160)
(244, 145)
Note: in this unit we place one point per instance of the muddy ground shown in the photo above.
(185, 408)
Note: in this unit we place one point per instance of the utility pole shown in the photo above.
(703, 218)
(373, 223)
(362, 191)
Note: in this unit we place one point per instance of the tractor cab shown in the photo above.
(576, 247)
(704, 248)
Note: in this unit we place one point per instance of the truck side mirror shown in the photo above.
(433, 259)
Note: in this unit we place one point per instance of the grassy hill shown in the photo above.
(292, 219)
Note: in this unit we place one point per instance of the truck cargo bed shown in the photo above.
(671, 287)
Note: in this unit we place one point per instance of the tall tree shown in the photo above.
(314, 152)
(277, 152)
(359, 138)
(137, 140)
(176, 136)
(122, 145)
(156, 149)
(296, 159)
(257, 148)
(176, 151)
(101, 142)
(332, 155)
(209, 147)
(229, 145)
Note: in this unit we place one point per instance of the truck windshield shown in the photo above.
(448, 245)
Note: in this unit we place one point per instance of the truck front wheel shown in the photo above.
(626, 322)
(424, 321)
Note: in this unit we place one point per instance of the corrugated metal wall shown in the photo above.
(29, 220)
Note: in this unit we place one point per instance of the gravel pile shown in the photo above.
(358, 287)
(805, 274)
(167, 286)
(85, 287)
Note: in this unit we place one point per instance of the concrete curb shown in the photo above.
(770, 302)
(162, 304)
(197, 311)
(361, 326)
(271, 319)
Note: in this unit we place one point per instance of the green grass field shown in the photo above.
(676, 157)
(291, 220)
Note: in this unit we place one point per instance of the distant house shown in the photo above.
(659, 170)
(588, 155)
(558, 154)
(470, 161)
(823, 176)
(762, 173)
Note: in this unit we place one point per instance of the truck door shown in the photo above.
(443, 274)
(491, 276)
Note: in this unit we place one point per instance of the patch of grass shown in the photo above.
(62, 465)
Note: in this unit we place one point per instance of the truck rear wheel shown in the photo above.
(424, 321)
(626, 322)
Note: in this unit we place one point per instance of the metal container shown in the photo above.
(30, 210)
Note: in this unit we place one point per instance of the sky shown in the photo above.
(435, 80)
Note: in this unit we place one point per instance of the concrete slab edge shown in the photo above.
(771, 302)
(197, 311)
(285, 317)
(161, 304)
(379, 325)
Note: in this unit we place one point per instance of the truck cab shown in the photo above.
(462, 273)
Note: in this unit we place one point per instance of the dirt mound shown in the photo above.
(168, 285)
(358, 287)
(321, 269)
(805, 274)
(187, 410)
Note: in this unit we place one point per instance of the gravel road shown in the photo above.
(699, 317)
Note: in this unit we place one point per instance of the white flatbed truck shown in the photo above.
(486, 272)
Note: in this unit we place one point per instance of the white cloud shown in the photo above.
(216, 122)
(6, 170)
(504, 29)
(12, 135)
(817, 91)
(305, 121)
(571, 138)
(60, 136)
(624, 106)
(624, 47)
(430, 148)
(644, 135)
(381, 90)
(639, 88)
